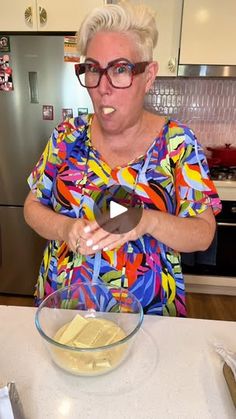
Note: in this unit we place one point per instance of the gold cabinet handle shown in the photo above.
(172, 64)
(42, 16)
(29, 15)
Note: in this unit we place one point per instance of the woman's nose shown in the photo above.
(105, 85)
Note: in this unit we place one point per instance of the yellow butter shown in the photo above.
(73, 329)
(89, 333)
(106, 336)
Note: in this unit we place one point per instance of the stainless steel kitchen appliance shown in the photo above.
(40, 78)
(223, 173)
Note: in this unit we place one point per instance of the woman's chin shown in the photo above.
(109, 122)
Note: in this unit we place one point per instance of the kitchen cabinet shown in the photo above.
(208, 32)
(44, 15)
(168, 16)
(52, 15)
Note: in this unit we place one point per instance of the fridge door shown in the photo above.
(40, 77)
(21, 252)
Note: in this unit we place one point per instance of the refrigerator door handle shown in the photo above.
(33, 87)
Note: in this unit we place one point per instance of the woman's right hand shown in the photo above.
(53, 226)
(73, 234)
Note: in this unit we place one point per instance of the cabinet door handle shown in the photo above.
(172, 64)
(226, 224)
(42, 16)
(29, 15)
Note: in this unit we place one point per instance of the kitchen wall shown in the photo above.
(208, 106)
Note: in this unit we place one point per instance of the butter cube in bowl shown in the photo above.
(89, 328)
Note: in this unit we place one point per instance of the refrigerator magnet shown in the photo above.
(67, 113)
(47, 111)
(70, 49)
(4, 44)
(6, 82)
(82, 111)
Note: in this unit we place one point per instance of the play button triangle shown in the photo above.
(116, 209)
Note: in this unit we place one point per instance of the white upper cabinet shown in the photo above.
(168, 16)
(208, 32)
(18, 15)
(63, 15)
(44, 15)
(54, 15)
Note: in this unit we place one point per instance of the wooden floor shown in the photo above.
(199, 306)
(12, 300)
(212, 307)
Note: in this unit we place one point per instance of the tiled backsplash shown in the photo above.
(208, 106)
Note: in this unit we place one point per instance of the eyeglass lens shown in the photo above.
(119, 74)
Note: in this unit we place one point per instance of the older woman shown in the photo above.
(121, 144)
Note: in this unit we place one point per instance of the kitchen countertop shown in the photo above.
(172, 372)
(226, 189)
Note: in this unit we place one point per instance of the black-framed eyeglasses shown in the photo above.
(119, 73)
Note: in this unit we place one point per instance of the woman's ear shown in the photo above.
(151, 74)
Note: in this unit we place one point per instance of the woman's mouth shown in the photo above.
(106, 110)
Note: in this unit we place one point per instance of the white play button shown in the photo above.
(116, 209)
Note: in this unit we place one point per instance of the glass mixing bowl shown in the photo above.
(103, 308)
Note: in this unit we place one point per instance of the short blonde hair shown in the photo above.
(124, 17)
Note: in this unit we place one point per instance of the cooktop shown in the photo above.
(223, 173)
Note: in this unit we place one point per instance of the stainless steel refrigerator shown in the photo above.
(40, 78)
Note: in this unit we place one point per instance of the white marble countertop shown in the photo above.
(172, 372)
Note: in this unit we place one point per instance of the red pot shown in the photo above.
(223, 156)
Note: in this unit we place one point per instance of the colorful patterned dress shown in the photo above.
(173, 176)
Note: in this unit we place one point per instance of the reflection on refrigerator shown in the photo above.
(42, 80)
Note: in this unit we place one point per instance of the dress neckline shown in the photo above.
(131, 162)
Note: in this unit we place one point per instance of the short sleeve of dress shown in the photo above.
(45, 171)
(195, 191)
(42, 175)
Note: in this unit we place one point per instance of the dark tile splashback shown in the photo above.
(208, 106)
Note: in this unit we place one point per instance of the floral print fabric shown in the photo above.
(173, 176)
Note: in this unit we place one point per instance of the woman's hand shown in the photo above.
(72, 231)
(109, 233)
(53, 226)
(184, 234)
